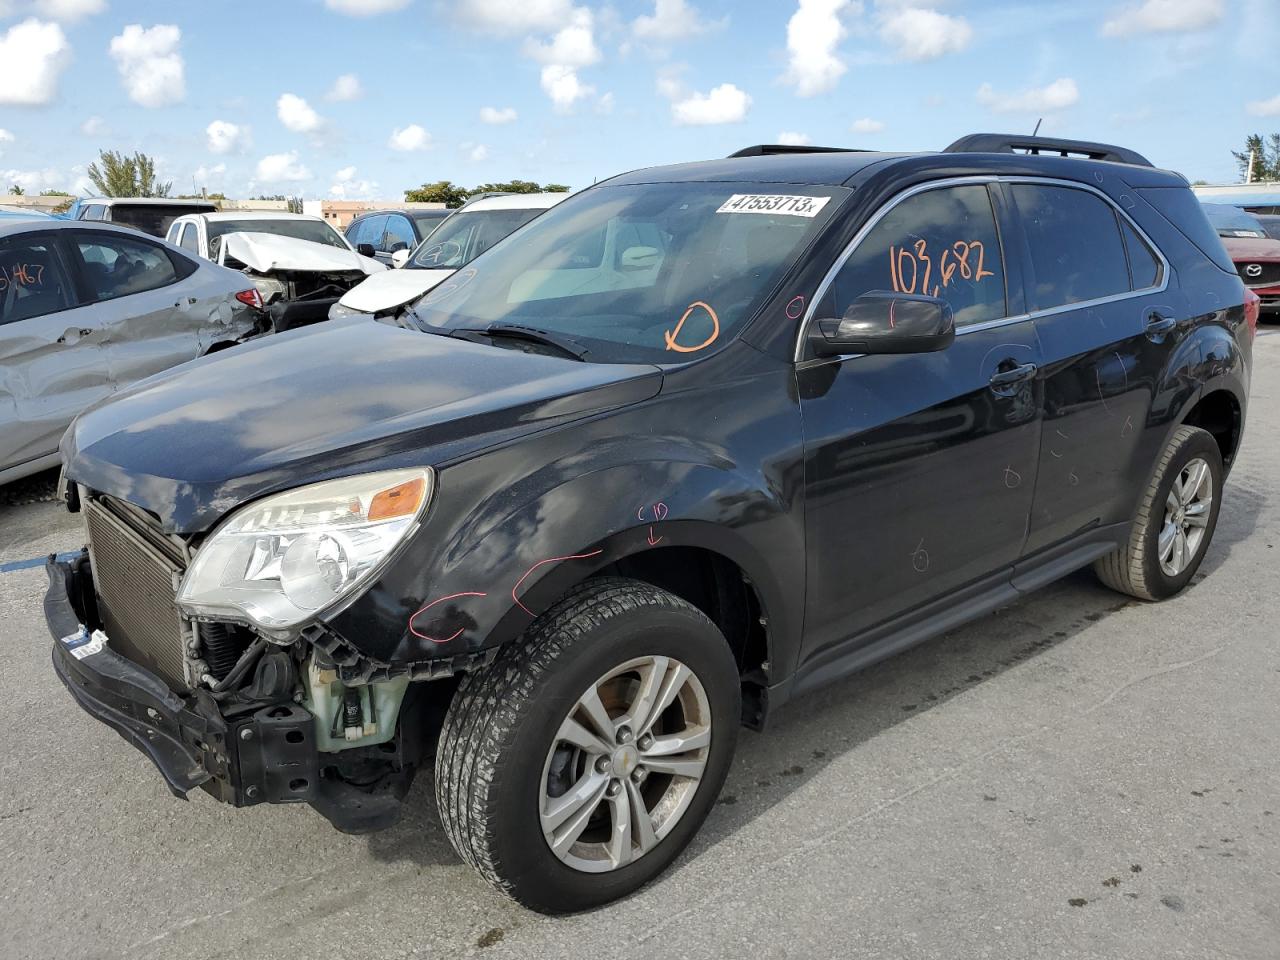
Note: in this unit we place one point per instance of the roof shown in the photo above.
(812, 168)
(253, 215)
(10, 226)
(148, 201)
(515, 201)
(27, 213)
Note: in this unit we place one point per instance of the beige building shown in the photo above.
(339, 213)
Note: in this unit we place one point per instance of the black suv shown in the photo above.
(697, 440)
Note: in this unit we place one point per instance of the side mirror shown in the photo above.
(885, 322)
(366, 249)
(399, 258)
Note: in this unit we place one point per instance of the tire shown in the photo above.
(1137, 569)
(501, 751)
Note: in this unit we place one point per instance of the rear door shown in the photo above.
(919, 468)
(150, 319)
(52, 364)
(1096, 288)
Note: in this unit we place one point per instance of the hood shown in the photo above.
(331, 400)
(1251, 248)
(391, 288)
(268, 252)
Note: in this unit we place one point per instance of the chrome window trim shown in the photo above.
(829, 278)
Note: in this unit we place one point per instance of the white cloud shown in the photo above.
(33, 181)
(563, 86)
(790, 138)
(514, 16)
(94, 127)
(498, 115)
(226, 137)
(69, 11)
(1265, 108)
(345, 88)
(297, 115)
(918, 33)
(670, 80)
(1059, 95)
(365, 8)
(347, 186)
(673, 20)
(478, 153)
(605, 103)
(1164, 16)
(724, 104)
(209, 176)
(33, 55)
(282, 168)
(150, 65)
(573, 45)
(813, 33)
(866, 125)
(5, 137)
(412, 137)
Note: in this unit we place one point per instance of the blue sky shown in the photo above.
(247, 97)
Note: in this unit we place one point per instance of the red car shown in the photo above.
(1256, 255)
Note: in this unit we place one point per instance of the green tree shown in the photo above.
(16, 191)
(54, 193)
(442, 191)
(1265, 154)
(116, 174)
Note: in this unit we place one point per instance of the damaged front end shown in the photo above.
(249, 712)
(298, 280)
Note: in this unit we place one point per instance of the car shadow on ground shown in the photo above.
(808, 734)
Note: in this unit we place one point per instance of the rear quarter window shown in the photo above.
(1180, 207)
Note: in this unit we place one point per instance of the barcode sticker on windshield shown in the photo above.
(790, 205)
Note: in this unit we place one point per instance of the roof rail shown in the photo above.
(1039, 146)
(770, 149)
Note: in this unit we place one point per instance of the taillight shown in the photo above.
(1252, 306)
(254, 299)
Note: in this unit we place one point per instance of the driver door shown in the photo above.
(919, 468)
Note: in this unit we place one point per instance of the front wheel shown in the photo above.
(578, 765)
(1176, 518)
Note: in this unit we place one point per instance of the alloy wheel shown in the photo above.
(1186, 517)
(625, 764)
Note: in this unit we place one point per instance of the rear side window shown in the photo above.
(1074, 241)
(190, 238)
(1180, 207)
(121, 266)
(1144, 267)
(941, 243)
(32, 280)
(94, 211)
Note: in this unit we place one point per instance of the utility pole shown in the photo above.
(1253, 154)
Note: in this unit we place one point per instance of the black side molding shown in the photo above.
(1040, 146)
(772, 149)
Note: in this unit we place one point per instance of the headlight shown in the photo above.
(340, 312)
(292, 556)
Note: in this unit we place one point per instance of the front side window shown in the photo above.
(657, 273)
(368, 230)
(398, 234)
(940, 243)
(120, 266)
(32, 281)
(1074, 242)
(465, 236)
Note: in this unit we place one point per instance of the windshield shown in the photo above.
(312, 230)
(464, 236)
(645, 273)
(1272, 226)
(1231, 221)
(428, 220)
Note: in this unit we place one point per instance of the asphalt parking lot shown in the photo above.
(1077, 775)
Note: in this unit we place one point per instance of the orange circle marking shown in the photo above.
(670, 335)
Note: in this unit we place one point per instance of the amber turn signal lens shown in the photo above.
(402, 500)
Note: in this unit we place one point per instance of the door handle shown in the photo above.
(1158, 324)
(1004, 379)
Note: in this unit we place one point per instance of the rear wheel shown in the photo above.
(1176, 519)
(579, 764)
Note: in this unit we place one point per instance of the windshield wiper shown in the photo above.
(518, 331)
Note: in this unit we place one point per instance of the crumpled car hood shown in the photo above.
(392, 288)
(335, 399)
(269, 252)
